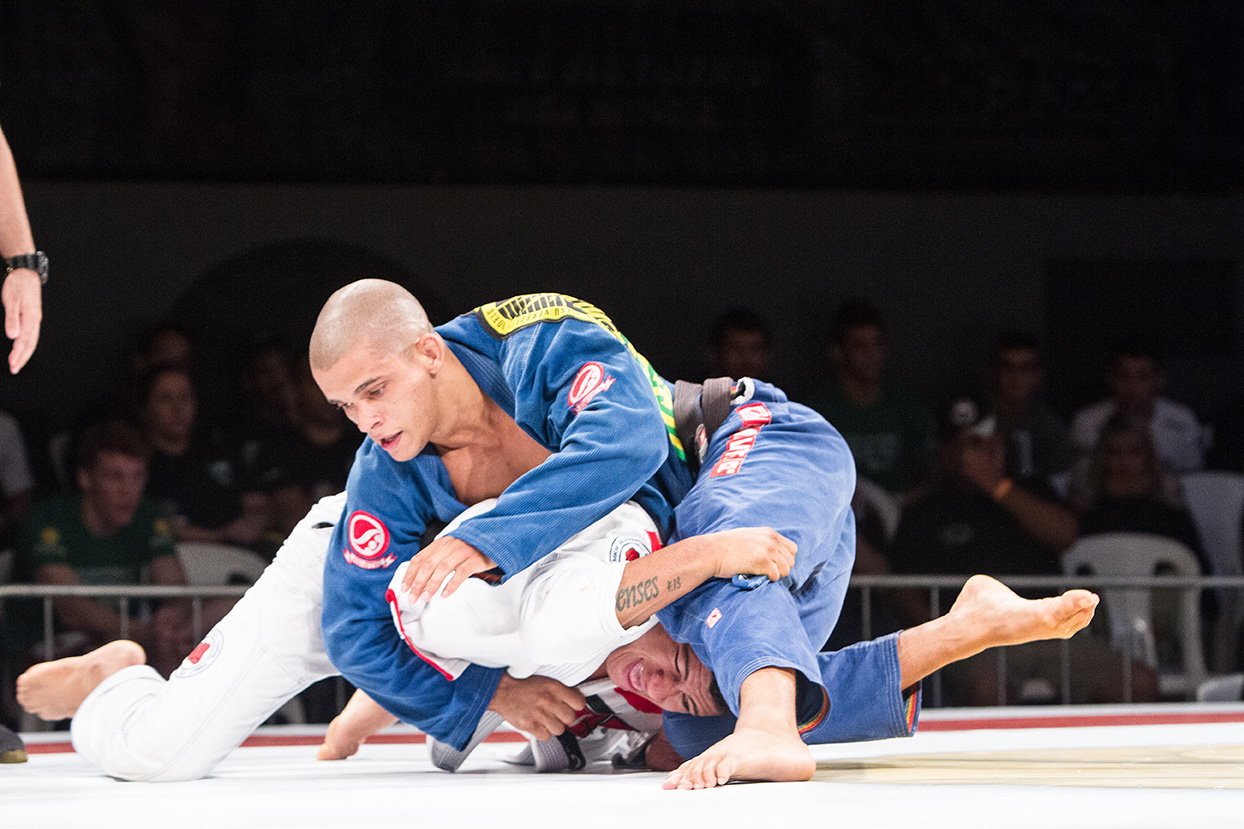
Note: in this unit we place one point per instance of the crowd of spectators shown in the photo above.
(992, 479)
(147, 467)
(989, 480)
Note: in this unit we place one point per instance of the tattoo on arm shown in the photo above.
(673, 584)
(636, 594)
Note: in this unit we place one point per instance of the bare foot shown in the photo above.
(747, 754)
(54, 690)
(1000, 617)
(338, 742)
(360, 719)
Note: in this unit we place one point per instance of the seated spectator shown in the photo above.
(107, 534)
(264, 417)
(1228, 449)
(1126, 493)
(192, 480)
(887, 427)
(975, 519)
(16, 481)
(1038, 443)
(740, 345)
(1136, 379)
(316, 460)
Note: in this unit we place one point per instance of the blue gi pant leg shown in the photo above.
(777, 464)
(865, 683)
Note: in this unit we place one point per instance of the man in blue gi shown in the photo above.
(540, 402)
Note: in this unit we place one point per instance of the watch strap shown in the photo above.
(37, 262)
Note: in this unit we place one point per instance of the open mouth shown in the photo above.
(388, 443)
(635, 676)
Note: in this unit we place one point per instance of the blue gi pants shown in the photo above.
(779, 464)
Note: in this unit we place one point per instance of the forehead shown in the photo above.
(361, 363)
(1135, 366)
(1018, 358)
(111, 461)
(860, 335)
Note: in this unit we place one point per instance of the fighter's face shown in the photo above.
(389, 396)
(663, 671)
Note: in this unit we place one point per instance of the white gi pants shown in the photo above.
(137, 726)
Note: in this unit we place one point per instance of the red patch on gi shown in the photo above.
(368, 538)
(197, 653)
(754, 416)
(589, 382)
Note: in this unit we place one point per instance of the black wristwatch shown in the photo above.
(37, 262)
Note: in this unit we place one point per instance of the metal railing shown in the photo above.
(1050, 585)
(126, 595)
(866, 585)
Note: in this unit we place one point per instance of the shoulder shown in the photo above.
(1172, 413)
(1092, 415)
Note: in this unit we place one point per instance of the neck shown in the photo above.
(94, 521)
(170, 444)
(469, 415)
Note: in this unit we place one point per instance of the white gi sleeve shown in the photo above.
(568, 610)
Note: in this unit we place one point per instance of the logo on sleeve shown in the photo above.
(368, 539)
(754, 416)
(589, 382)
(202, 656)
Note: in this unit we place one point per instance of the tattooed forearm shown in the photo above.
(636, 594)
(673, 584)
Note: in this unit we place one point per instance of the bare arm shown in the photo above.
(659, 578)
(1050, 522)
(540, 706)
(22, 293)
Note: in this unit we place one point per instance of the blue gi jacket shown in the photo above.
(576, 386)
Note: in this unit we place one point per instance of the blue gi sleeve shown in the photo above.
(589, 398)
(387, 509)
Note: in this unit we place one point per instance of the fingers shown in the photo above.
(458, 576)
(427, 569)
(781, 556)
(22, 316)
(554, 716)
(430, 567)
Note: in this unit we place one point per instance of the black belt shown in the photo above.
(699, 410)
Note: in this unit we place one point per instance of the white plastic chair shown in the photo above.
(1229, 688)
(1129, 610)
(211, 564)
(873, 498)
(1216, 502)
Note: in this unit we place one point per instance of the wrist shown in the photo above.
(36, 263)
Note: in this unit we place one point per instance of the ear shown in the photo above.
(83, 478)
(430, 350)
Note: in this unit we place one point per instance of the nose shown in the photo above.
(366, 416)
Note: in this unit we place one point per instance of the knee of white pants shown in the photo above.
(111, 731)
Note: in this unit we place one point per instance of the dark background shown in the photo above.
(1074, 168)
